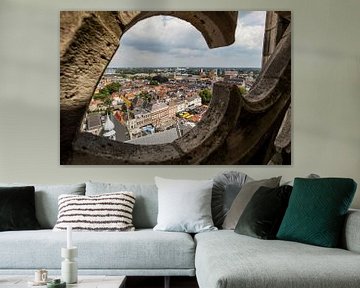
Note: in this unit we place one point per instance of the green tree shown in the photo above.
(124, 108)
(104, 94)
(145, 96)
(100, 96)
(107, 91)
(107, 101)
(242, 90)
(154, 82)
(113, 87)
(160, 79)
(205, 95)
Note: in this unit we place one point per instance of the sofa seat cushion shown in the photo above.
(226, 259)
(142, 249)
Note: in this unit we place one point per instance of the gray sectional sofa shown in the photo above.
(219, 259)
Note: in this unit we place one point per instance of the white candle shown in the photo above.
(69, 239)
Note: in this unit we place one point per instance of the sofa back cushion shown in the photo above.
(46, 200)
(350, 238)
(146, 204)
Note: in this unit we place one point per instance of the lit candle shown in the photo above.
(69, 239)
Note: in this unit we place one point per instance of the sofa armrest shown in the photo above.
(351, 234)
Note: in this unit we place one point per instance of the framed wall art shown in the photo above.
(175, 87)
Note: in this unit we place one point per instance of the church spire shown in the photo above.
(109, 131)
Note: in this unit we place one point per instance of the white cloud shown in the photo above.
(252, 17)
(249, 37)
(164, 31)
(250, 30)
(169, 41)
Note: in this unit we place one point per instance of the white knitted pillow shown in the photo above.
(105, 212)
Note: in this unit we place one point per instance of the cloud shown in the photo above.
(169, 41)
(163, 31)
(252, 18)
(250, 30)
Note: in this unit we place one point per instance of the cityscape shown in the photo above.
(147, 106)
(159, 83)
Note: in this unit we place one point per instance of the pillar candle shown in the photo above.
(69, 237)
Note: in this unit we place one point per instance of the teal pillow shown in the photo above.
(316, 211)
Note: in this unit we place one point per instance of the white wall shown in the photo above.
(326, 91)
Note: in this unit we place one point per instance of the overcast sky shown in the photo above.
(164, 41)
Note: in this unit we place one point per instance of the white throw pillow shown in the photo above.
(104, 212)
(184, 205)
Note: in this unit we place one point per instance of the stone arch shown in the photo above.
(87, 43)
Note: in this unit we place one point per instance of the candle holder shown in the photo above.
(68, 265)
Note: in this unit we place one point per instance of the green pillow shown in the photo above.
(316, 211)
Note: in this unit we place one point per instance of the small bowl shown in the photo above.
(56, 283)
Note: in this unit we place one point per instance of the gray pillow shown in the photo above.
(310, 176)
(184, 205)
(243, 198)
(226, 187)
(46, 200)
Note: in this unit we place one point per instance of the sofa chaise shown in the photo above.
(226, 259)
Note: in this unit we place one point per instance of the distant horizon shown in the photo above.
(186, 67)
(170, 41)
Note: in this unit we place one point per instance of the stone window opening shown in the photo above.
(130, 111)
(223, 136)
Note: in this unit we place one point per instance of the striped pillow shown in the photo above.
(105, 212)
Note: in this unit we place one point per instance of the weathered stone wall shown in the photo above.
(87, 43)
(276, 24)
(235, 130)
